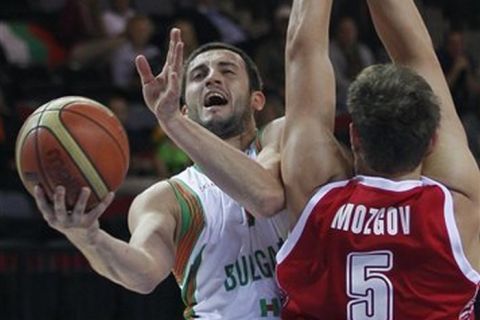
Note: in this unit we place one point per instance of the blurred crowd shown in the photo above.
(52, 48)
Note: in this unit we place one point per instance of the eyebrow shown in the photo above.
(198, 67)
(228, 64)
(221, 64)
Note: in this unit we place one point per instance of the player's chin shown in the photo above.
(215, 115)
(214, 109)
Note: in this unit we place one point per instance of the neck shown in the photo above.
(243, 140)
(362, 169)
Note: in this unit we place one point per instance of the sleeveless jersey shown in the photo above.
(372, 248)
(225, 260)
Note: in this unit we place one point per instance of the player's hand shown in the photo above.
(72, 221)
(162, 92)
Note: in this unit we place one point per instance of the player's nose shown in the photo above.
(214, 77)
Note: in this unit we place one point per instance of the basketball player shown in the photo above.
(222, 257)
(388, 243)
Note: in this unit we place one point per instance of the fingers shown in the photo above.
(59, 204)
(174, 40)
(171, 46)
(144, 70)
(81, 204)
(175, 35)
(60, 218)
(159, 90)
(96, 212)
(43, 205)
(175, 51)
(178, 58)
(173, 87)
(177, 61)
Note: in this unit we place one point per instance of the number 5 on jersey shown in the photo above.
(371, 292)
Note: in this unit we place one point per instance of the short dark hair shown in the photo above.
(396, 114)
(255, 81)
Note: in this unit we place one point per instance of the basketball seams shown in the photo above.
(24, 131)
(40, 159)
(122, 152)
(86, 155)
(41, 166)
(21, 139)
(76, 153)
(55, 146)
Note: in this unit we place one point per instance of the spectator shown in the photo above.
(139, 33)
(349, 56)
(214, 24)
(270, 59)
(82, 32)
(116, 17)
(270, 56)
(189, 34)
(459, 68)
(140, 135)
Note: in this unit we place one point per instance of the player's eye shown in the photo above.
(196, 75)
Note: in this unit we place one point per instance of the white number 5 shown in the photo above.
(371, 291)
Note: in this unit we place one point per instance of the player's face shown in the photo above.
(217, 92)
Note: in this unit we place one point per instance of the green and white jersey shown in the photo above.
(225, 261)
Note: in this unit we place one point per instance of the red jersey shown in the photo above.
(376, 249)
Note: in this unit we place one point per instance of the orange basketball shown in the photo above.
(74, 142)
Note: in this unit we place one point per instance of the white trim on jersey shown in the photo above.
(297, 230)
(386, 184)
(454, 235)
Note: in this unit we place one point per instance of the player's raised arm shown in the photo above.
(308, 142)
(406, 39)
(258, 188)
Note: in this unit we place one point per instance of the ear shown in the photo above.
(257, 100)
(354, 137)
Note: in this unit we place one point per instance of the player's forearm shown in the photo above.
(310, 90)
(117, 260)
(402, 31)
(245, 180)
(308, 22)
(406, 38)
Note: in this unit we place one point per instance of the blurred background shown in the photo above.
(52, 48)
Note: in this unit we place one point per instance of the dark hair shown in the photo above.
(254, 78)
(396, 114)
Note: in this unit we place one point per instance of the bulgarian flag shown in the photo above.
(27, 44)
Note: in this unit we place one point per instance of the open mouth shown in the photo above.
(214, 99)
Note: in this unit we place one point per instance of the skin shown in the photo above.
(223, 120)
(449, 161)
(154, 216)
(310, 108)
(310, 112)
(259, 190)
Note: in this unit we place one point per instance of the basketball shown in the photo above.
(74, 142)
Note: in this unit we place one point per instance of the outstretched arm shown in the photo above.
(256, 186)
(139, 265)
(408, 43)
(311, 156)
